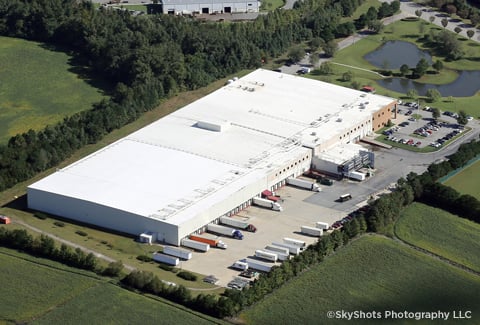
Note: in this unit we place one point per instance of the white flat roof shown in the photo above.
(176, 166)
(341, 153)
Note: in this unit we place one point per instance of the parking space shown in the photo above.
(417, 127)
(271, 226)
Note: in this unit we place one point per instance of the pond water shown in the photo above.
(393, 54)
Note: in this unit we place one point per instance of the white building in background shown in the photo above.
(177, 7)
(210, 158)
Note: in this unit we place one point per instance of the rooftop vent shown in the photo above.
(339, 119)
(363, 95)
(211, 125)
(313, 133)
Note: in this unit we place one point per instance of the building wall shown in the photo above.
(100, 215)
(210, 7)
(381, 117)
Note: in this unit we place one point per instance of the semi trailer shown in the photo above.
(178, 252)
(303, 184)
(280, 256)
(258, 265)
(272, 257)
(322, 225)
(226, 231)
(199, 246)
(238, 224)
(166, 259)
(312, 231)
(277, 249)
(295, 250)
(295, 242)
(213, 241)
(356, 175)
(266, 203)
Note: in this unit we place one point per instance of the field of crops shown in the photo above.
(466, 181)
(55, 294)
(372, 274)
(39, 87)
(441, 233)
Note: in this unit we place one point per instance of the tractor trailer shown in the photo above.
(178, 252)
(321, 225)
(265, 203)
(280, 256)
(312, 231)
(303, 184)
(199, 246)
(226, 231)
(356, 176)
(211, 240)
(257, 265)
(238, 224)
(295, 250)
(272, 257)
(166, 259)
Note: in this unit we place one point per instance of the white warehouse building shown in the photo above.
(178, 7)
(210, 158)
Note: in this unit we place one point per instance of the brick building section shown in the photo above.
(381, 117)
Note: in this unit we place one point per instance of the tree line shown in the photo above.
(146, 58)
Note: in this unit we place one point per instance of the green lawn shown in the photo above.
(40, 291)
(372, 274)
(270, 5)
(466, 181)
(406, 31)
(38, 86)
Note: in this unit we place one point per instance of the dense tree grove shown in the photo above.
(146, 58)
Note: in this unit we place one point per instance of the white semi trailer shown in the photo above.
(265, 203)
(280, 256)
(322, 225)
(357, 176)
(272, 257)
(303, 184)
(295, 242)
(203, 247)
(236, 223)
(295, 250)
(312, 231)
(178, 252)
(258, 265)
(166, 259)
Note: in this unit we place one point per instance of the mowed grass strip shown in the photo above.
(372, 273)
(109, 304)
(39, 86)
(441, 233)
(466, 181)
(29, 290)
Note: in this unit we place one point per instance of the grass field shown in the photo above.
(466, 181)
(406, 31)
(52, 293)
(441, 233)
(372, 274)
(38, 86)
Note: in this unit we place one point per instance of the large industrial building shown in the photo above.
(179, 7)
(210, 158)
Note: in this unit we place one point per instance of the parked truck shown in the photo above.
(280, 256)
(322, 225)
(166, 259)
(239, 265)
(178, 252)
(238, 224)
(258, 265)
(295, 242)
(199, 246)
(303, 184)
(312, 231)
(267, 204)
(213, 241)
(295, 250)
(356, 175)
(272, 257)
(226, 231)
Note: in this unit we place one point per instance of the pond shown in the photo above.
(393, 54)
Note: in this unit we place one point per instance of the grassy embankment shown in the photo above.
(466, 181)
(40, 86)
(372, 273)
(406, 31)
(40, 291)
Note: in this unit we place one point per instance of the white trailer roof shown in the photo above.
(197, 156)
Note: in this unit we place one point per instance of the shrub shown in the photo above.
(81, 233)
(59, 224)
(166, 267)
(144, 258)
(187, 276)
(40, 215)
